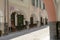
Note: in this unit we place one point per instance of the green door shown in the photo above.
(20, 21)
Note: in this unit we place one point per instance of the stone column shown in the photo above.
(50, 7)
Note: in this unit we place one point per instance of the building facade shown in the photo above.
(31, 11)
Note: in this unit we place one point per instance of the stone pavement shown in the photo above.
(41, 33)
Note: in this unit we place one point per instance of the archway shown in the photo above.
(13, 18)
(33, 20)
(13, 21)
(17, 21)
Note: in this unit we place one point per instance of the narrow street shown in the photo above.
(41, 33)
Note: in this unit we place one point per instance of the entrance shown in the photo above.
(41, 21)
(13, 28)
(13, 18)
(31, 20)
(20, 22)
(32, 24)
(46, 21)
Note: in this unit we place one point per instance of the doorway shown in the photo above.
(41, 21)
(13, 28)
(20, 22)
(31, 20)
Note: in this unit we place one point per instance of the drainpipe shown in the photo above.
(6, 16)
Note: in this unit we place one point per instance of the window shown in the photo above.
(43, 6)
(21, 0)
(33, 2)
(36, 3)
(40, 3)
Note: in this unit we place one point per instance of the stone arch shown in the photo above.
(17, 12)
(21, 12)
(34, 18)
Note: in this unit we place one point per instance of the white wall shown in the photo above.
(26, 7)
